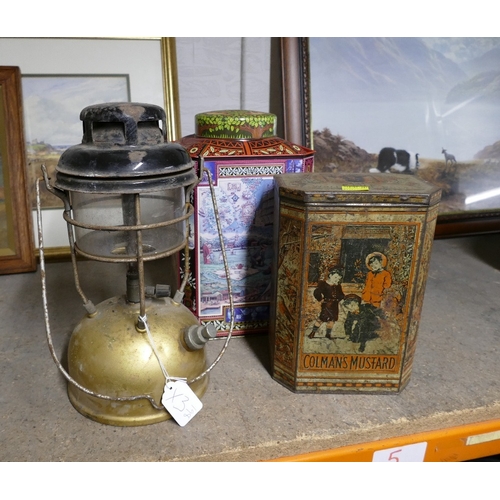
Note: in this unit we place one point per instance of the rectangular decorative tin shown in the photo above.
(351, 260)
(243, 172)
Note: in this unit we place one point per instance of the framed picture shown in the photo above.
(147, 66)
(16, 232)
(433, 100)
(51, 104)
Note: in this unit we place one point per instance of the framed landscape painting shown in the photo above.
(52, 104)
(147, 65)
(437, 99)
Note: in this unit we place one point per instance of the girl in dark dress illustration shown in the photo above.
(378, 279)
(329, 293)
(362, 321)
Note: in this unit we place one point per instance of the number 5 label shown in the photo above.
(409, 453)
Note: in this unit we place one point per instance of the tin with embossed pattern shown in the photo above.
(351, 259)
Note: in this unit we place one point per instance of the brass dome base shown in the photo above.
(107, 355)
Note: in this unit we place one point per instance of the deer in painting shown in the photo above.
(448, 157)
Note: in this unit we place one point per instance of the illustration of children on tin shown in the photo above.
(362, 321)
(329, 293)
(378, 279)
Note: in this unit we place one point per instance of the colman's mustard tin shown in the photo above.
(351, 259)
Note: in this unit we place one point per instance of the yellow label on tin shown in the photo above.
(355, 188)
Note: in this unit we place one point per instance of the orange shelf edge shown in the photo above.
(452, 444)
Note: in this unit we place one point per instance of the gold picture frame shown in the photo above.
(171, 87)
(166, 90)
(17, 253)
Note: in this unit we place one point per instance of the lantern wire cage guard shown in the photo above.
(140, 258)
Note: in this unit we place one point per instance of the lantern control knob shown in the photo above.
(158, 291)
(196, 336)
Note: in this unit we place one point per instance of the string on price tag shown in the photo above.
(178, 398)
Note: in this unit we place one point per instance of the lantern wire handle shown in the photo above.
(87, 304)
(228, 278)
(47, 320)
(142, 317)
(180, 293)
(186, 265)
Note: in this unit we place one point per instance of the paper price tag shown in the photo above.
(180, 401)
(355, 188)
(409, 453)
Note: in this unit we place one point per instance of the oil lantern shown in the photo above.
(126, 195)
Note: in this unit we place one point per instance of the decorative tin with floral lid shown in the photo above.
(242, 153)
(249, 133)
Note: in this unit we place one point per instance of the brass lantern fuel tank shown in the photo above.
(108, 355)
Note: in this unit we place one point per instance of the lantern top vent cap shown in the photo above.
(137, 123)
(123, 148)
